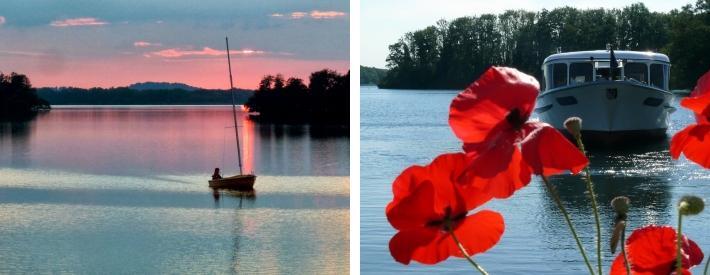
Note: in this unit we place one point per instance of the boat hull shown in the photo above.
(238, 182)
(610, 110)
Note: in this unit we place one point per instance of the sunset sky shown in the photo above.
(89, 43)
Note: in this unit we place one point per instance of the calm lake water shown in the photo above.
(124, 190)
(401, 128)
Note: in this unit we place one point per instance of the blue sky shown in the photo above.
(383, 22)
(118, 42)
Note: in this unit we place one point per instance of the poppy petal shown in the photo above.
(445, 170)
(694, 143)
(498, 173)
(702, 87)
(694, 255)
(699, 105)
(412, 244)
(652, 248)
(478, 233)
(414, 210)
(486, 102)
(548, 152)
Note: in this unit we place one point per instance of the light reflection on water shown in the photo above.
(92, 190)
(401, 128)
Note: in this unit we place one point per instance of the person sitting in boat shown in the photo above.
(216, 174)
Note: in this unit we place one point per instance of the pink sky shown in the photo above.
(205, 72)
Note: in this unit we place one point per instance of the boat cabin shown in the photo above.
(586, 67)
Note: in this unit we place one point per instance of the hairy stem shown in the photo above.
(463, 250)
(623, 251)
(593, 197)
(678, 259)
(557, 200)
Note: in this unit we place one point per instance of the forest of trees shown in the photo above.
(451, 54)
(326, 99)
(18, 100)
(371, 75)
(129, 96)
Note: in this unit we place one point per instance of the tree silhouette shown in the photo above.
(18, 100)
(324, 100)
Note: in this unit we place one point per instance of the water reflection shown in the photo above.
(177, 140)
(249, 195)
(639, 172)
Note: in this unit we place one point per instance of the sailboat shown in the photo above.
(241, 181)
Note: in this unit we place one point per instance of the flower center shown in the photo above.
(448, 221)
(515, 119)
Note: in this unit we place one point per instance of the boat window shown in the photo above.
(580, 72)
(559, 75)
(636, 71)
(657, 76)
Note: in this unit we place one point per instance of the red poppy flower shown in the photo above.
(427, 205)
(491, 118)
(652, 251)
(694, 140)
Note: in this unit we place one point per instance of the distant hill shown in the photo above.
(161, 86)
(130, 96)
(371, 75)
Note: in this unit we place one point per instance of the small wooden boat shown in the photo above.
(241, 181)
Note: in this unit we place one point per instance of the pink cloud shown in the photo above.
(314, 14)
(74, 22)
(2, 20)
(144, 44)
(326, 14)
(206, 52)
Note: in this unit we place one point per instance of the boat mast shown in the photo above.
(234, 108)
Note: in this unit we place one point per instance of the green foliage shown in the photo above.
(451, 54)
(18, 100)
(371, 75)
(325, 100)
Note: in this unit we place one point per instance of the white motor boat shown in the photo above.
(618, 94)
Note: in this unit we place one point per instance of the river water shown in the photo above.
(400, 128)
(123, 189)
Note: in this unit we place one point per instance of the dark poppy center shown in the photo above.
(448, 221)
(515, 119)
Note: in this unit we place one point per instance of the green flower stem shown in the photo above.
(557, 200)
(678, 260)
(623, 250)
(590, 189)
(463, 250)
(707, 264)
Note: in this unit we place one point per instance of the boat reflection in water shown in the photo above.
(248, 194)
(640, 173)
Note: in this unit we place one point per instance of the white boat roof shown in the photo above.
(604, 55)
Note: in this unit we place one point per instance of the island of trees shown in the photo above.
(451, 54)
(325, 100)
(18, 99)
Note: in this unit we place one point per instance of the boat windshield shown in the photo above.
(637, 72)
(580, 73)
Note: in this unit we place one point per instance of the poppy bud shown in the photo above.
(620, 204)
(691, 205)
(616, 234)
(574, 126)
